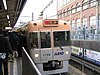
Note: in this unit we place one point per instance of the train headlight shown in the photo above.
(36, 55)
(67, 52)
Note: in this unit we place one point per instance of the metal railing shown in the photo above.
(28, 65)
(84, 35)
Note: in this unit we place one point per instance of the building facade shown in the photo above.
(80, 14)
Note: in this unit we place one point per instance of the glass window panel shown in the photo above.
(65, 12)
(33, 40)
(78, 22)
(92, 20)
(68, 11)
(84, 20)
(78, 8)
(85, 4)
(61, 38)
(45, 40)
(92, 3)
(73, 9)
(73, 25)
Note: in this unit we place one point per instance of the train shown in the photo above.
(49, 45)
(89, 55)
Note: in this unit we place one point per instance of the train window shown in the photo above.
(34, 39)
(45, 40)
(61, 38)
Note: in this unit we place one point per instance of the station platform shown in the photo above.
(15, 66)
(24, 66)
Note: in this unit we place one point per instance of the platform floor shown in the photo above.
(15, 67)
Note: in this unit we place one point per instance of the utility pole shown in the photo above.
(32, 16)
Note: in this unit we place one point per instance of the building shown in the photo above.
(80, 14)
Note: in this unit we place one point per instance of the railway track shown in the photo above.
(85, 66)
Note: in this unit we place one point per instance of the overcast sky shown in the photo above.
(36, 6)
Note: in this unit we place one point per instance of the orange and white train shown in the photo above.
(49, 45)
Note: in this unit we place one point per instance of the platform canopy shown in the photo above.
(10, 10)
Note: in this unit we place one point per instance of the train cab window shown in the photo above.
(34, 39)
(61, 38)
(45, 40)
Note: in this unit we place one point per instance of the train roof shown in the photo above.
(55, 24)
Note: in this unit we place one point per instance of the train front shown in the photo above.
(50, 45)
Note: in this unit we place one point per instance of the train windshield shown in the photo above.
(45, 40)
(61, 38)
(34, 39)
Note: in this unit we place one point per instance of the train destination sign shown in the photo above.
(50, 22)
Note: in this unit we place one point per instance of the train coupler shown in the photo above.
(52, 65)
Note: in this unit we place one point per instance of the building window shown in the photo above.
(65, 1)
(65, 12)
(78, 8)
(92, 3)
(68, 11)
(73, 9)
(60, 15)
(85, 4)
(78, 23)
(93, 21)
(73, 25)
(84, 22)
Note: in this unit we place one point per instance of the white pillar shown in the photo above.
(97, 17)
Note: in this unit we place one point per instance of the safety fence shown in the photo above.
(28, 66)
(84, 35)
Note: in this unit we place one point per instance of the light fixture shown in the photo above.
(5, 5)
(67, 52)
(9, 22)
(8, 28)
(36, 55)
(7, 16)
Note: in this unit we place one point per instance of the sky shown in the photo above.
(35, 7)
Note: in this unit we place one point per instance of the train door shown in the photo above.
(45, 44)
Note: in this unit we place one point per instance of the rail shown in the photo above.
(33, 64)
(84, 35)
